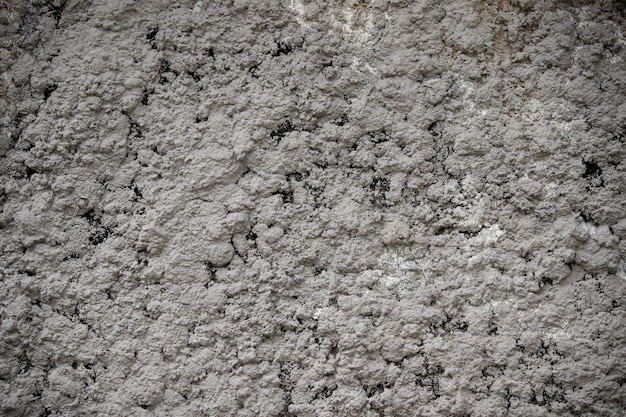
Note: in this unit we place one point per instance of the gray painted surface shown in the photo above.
(312, 208)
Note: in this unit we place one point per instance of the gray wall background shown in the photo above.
(312, 208)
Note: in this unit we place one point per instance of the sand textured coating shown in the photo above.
(313, 208)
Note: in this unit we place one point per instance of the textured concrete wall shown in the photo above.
(312, 208)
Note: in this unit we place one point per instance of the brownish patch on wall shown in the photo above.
(495, 11)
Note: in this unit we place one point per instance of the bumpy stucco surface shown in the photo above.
(312, 208)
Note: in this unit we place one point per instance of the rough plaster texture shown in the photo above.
(313, 208)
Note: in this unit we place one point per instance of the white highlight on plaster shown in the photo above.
(355, 24)
(197, 7)
(353, 31)
(472, 112)
(356, 63)
(297, 7)
(399, 266)
(621, 269)
(534, 110)
(488, 236)
(468, 92)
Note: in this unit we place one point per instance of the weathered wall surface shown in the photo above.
(312, 208)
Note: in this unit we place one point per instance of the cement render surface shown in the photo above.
(312, 208)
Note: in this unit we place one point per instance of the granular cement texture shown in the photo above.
(312, 208)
